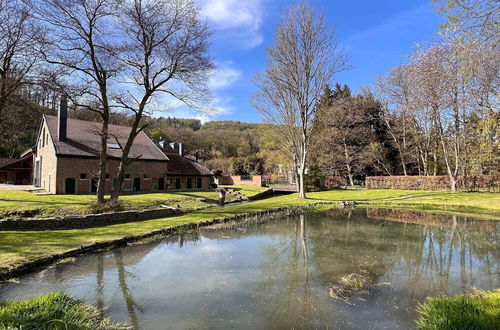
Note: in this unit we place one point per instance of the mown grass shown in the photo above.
(478, 310)
(18, 203)
(52, 311)
(19, 247)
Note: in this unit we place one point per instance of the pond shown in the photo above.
(278, 272)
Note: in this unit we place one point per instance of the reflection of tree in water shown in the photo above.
(129, 300)
(420, 260)
(287, 279)
(122, 282)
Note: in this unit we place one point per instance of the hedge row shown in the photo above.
(334, 181)
(442, 182)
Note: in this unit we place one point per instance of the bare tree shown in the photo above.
(302, 61)
(20, 40)
(472, 18)
(396, 90)
(82, 46)
(166, 55)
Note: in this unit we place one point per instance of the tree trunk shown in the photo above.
(348, 165)
(302, 190)
(103, 159)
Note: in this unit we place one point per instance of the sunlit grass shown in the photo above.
(479, 310)
(20, 202)
(20, 247)
(52, 311)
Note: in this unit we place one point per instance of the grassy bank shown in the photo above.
(17, 248)
(52, 311)
(21, 203)
(479, 310)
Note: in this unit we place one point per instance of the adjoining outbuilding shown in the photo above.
(17, 171)
(66, 160)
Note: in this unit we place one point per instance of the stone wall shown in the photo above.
(85, 221)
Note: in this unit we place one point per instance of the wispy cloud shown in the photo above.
(224, 76)
(242, 18)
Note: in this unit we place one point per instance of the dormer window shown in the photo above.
(114, 146)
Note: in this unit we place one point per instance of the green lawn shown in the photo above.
(14, 203)
(19, 247)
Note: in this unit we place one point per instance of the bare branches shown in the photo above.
(165, 53)
(300, 64)
(20, 40)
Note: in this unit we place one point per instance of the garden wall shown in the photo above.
(240, 180)
(441, 182)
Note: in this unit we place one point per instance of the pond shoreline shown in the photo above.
(36, 264)
(24, 251)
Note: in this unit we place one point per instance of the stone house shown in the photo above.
(66, 160)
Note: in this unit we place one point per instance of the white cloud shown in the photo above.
(224, 76)
(244, 17)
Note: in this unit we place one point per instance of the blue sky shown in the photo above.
(376, 35)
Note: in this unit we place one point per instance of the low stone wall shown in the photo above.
(10, 272)
(85, 221)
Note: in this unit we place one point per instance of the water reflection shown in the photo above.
(272, 273)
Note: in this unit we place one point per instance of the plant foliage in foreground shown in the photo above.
(52, 311)
(479, 310)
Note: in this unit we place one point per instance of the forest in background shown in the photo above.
(435, 114)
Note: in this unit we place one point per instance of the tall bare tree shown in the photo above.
(82, 45)
(20, 40)
(472, 18)
(167, 54)
(302, 61)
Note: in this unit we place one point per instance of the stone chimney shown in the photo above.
(62, 119)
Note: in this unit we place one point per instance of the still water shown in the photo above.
(274, 273)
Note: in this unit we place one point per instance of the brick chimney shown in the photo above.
(62, 119)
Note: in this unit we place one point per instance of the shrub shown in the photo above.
(479, 310)
(314, 179)
(52, 311)
(440, 182)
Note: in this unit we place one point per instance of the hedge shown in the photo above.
(489, 183)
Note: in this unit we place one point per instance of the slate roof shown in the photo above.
(180, 165)
(83, 140)
(6, 161)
